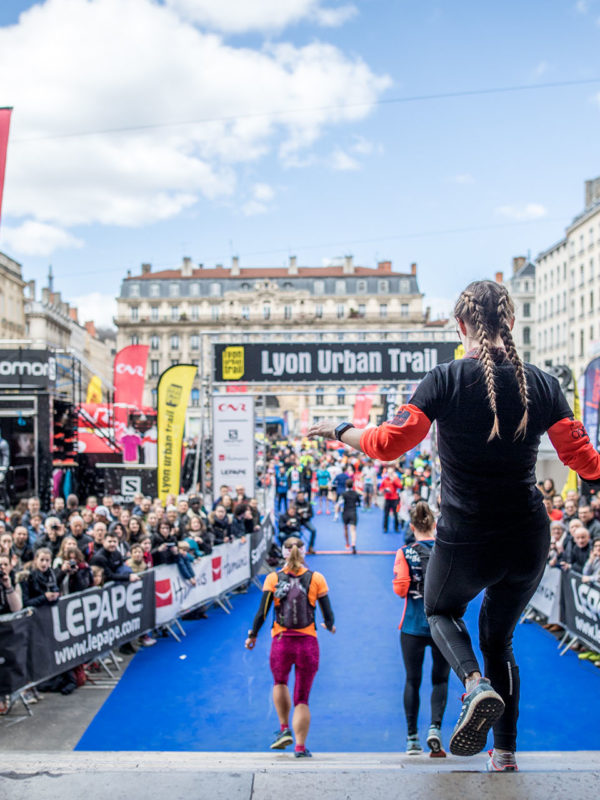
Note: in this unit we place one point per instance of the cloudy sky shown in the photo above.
(149, 130)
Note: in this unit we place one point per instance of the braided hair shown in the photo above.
(488, 309)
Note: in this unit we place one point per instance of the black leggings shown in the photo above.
(413, 653)
(509, 568)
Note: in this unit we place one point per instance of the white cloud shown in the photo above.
(464, 179)
(332, 17)
(343, 162)
(541, 69)
(101, 308)
(38, 239)
(262, 194)
(522, 213)
(113, 64)
(582, 6)
(238, 16)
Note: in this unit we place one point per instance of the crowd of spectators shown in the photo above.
(46, 554)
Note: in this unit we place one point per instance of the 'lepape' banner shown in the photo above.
(174, 388)
(4, 126)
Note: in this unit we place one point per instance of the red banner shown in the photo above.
(4, 126)
(129, 377)
(362, 406)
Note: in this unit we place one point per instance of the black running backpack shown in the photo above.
(294, 609)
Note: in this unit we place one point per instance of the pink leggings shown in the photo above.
(297, 650)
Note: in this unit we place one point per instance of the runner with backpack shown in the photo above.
(294, 591)
(415, 636)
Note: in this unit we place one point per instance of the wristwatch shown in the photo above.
(341, 429)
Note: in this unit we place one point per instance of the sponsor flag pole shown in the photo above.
(4, 126)
(174, 389)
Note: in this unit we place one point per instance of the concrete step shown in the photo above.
(264, 776)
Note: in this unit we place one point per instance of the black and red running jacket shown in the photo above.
(486, 484)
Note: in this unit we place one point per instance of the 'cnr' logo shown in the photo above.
(130, 369)
(232, 406)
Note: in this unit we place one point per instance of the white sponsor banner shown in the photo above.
(227, 566)
(546, 599)
(233, 443)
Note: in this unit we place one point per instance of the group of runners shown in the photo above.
(489, 498)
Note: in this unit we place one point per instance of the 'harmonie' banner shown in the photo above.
(174, 387)
(226, 567)
(273, 362)
(581, 609)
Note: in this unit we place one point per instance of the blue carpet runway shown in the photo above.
(208, 693)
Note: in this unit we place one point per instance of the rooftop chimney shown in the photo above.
(413, 269)
(384, 266)
(186, 267)
(235, 265)
(129, 273)
(146, 268)
(73, 314)
(30, 286)
(518, 263)
(91, 328)
(293, 270)
(499, 277)
(348, 265)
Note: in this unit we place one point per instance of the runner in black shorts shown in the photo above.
(491, 410)
(349, 502)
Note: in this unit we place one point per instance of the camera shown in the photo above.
(55, 527)
(73, 564)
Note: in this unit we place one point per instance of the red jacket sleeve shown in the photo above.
(392, 439)
(401, 580)
(572, 443)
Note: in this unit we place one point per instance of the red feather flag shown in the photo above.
(4, 126)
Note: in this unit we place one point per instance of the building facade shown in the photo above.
(180, 312)
(12, 306)
(521, 286)
(568, 291)
(52, 322)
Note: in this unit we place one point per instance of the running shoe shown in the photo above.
(413, 746)
(434, 739)
(353, 550)
(311, 551)
(501, 762)
(282, 739)
(481, 708)
(302, 753)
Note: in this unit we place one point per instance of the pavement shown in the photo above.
(256, 776)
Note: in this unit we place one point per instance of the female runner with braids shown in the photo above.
(295, 591)
(491, 411)
(410, 569)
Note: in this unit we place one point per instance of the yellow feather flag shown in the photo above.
(571, 484)
(94, 390)
(174, 388)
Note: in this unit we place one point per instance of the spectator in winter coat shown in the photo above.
(219, 525)
(10, 595)
(112, 562)
(52, 535)
(39, 586)
(74, 574)
(586, 515)
(164, 544)
(198, 538)
(21, 547)
(289, 523)
(77, 531)
(577, 552)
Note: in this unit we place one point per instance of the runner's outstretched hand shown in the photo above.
(331, 630)
(325, 429)
(250, 642)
